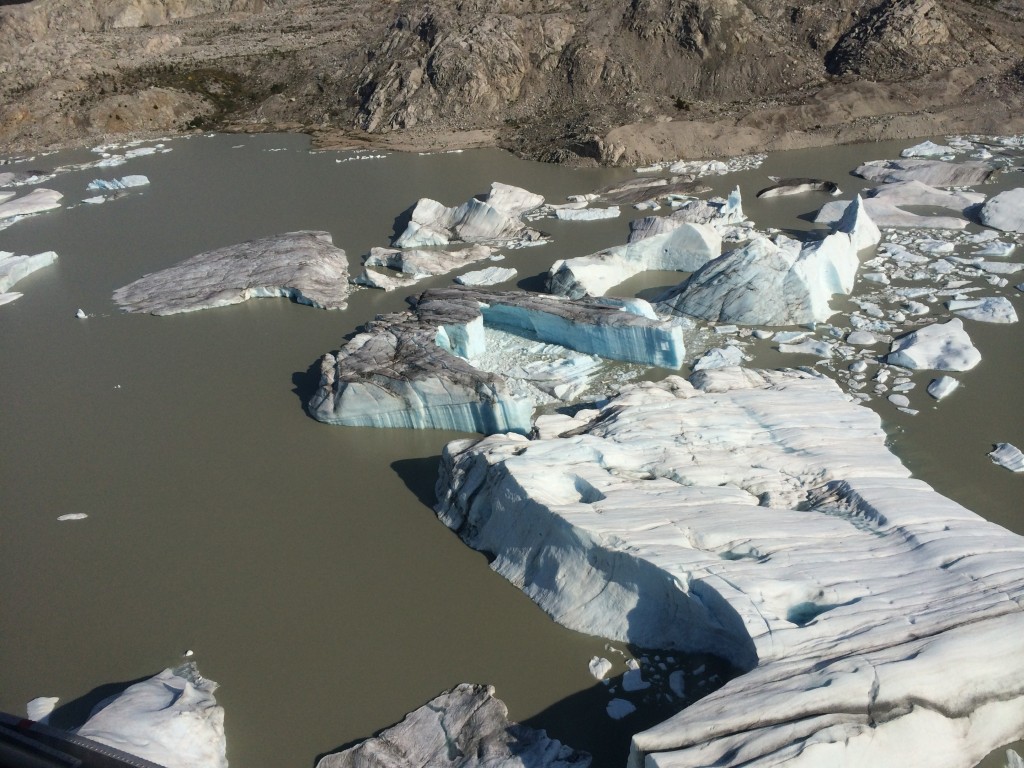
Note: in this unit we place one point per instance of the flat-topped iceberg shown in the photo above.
(587, 214)
(303, 266)
(14, 268)
(1009, 456)
(496, 220)
(171, 719)
(111, 185)
(938, 347)
(488, 276)
(991, 309)
(759, 516)
(36, 201)
(466, 727)
(413, 369)
(934, 173)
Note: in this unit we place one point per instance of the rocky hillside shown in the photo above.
(564, 80)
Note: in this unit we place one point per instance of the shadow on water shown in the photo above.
(536, 283)
(420, 477)
(305, 383)
(74, 713)
(401, 222)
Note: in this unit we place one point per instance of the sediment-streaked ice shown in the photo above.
(759, 516)
(1009, 456)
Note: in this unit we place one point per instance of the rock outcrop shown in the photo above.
(302, 266)
(759, 515)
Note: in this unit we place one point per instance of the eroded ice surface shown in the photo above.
(412, 265)
(1005, 211)
(758, 515)
(1009, 456)
(171, 719)
(485, 277)
(496, 220)
(14, 268)
(939, 347)
(303, 266)
(934, 173)
(466, 727)
(414, 368)
(36, 201)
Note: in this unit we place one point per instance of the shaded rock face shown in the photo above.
(550, 78)
(465, 727)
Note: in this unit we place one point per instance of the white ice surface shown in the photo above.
(942, 387)
(14, 268)
(488, 276)
(758, 515)
(939, 346)
(34, 202)
(992, 309)
(1009, 456)
(1005, 211)
(587, 214)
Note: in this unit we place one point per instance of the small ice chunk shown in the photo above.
(599, 667)
(632, 680)
(763, 333)
(587, 214)
(936, 246)
(80, 314)
(73, 516)
(942, 386)
(39, 709)
(488, 276)
(677, 683)
(858, 366)
(927, 149)
(996, 249)
(1009, 456)
(808, 347)
(876, 277)
(619, 708)
(862, 338)
(719, 358)
(900, 401)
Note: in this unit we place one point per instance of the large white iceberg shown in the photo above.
(759, 516)
(171, 719)
(939, 347)
(1005, 211)
(466, 727)
(303, 266)
(34, 202)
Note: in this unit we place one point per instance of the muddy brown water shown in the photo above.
(300, 562)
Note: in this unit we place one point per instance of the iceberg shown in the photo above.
(416, 264)
(764, 283)
(939, 347)
(112, 185)
(685, 247)
(485, 277)
(36, 201)
(466, 727)
(587, 214)
(1005, 211)
(171, 719)
(1009, 456)
(785, 187)
(993, 309)
(886, 214)
(412, 369)
(942, 387)
(495, 220)
(760, 517)
(303, 266)
(14, 268)
(927, 149)
(934, 173)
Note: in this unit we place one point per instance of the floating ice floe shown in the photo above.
(415, 264)
(1009, 456)
(496, 220)
(14, 268)
(466, 727)
(72, 516)
(759, 516)
(599, 667)
(113, 185)
(171, 719)
(721, 357)
(413, 369)
(785, 187)
(619, 708)
(40, 708)
(485, 277)
(36, 201)
(993, 309)
(927, 149)
(939, 347)
(682, 242)
(302, 266)
(886, 214)
(942, 387)
(934, 173)
(1005, 211)
(587, 214)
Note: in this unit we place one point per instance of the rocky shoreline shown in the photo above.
(552, 80)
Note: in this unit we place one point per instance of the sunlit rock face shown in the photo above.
(302, 266)
(171, 719)
(413, 369)
(759, 515)
(466, 727)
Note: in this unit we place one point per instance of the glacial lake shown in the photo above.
(301, 563)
